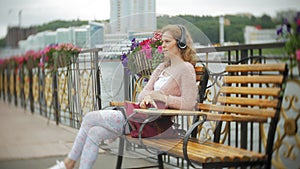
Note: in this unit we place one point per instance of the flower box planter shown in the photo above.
(12, 64)
(30, 64)
(143, 57)
(63, 59)
(58, 56)
(142, 64)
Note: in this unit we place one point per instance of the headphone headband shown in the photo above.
(182, 42)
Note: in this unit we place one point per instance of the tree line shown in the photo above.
(209, 26)
(202, 27)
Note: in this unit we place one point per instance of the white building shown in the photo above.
(22, 46)
(50, 38)
(64, 35)
(37, 42)
(255, 35)
(132, 16)
(81, 36)
(96, 34)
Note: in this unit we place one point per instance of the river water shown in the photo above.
(111, 79)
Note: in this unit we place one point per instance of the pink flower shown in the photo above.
(160, 49)
(41, 64)
(298, 54)
(46, 58)
(147, 48)
(20, 60)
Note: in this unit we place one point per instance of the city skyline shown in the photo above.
(32, 12)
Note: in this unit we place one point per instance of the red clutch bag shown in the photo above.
(158, 127)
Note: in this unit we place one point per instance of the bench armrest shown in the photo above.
(209, 116)
(120, 104)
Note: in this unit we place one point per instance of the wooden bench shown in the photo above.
(251, 95)
(202, 76)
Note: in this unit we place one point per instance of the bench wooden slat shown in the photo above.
(200, 152)
(223, 152)
(199, 70)
(174, 147)
(256, 67)
(250, 90)
(253, 79)
(209, 115)
(238, 110)
(210, 151)
(121, 104)
(248, 101)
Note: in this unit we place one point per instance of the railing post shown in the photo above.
(23, 88)
(73, 98)
(55, 96)
(126, 86)
(31, 90)
(98, 82)
(4, 83)
(15, 86)
(41, 83)
(244, 127)
(1, 82)
(8, 85)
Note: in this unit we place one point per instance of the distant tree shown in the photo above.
(266, 22)
(2, 42)
(60, 24)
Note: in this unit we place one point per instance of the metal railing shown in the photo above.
(70, 92)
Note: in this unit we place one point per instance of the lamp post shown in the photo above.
(221, 23)
(20, 17)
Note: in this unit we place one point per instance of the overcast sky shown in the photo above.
(37, 12)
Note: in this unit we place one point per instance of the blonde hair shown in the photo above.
(189, 53)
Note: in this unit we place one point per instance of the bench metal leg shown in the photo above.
(120, 152)
(160, 161)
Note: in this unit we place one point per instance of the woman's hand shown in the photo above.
(146, 101)
(151, 98)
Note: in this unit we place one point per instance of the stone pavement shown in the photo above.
(25, 135)
(28, 141)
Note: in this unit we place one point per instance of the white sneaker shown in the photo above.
(58, 165)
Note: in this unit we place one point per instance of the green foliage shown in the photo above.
(60, 24)
(209, 25)
(2, 42)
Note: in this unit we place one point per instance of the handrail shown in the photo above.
(240, 47)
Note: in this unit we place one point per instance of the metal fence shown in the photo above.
(68, 93)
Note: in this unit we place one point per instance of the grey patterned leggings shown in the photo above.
(96, 127)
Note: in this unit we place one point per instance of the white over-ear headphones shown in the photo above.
(181, 43)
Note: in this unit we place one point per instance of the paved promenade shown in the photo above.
(25, 135)
(28, 141)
